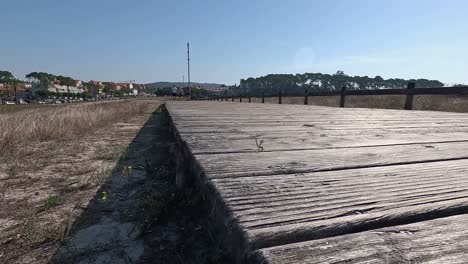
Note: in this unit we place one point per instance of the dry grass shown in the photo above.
(448, 103)
(53, 160)
(20, 129)
(4, 109)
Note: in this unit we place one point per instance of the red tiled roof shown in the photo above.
(8, 89)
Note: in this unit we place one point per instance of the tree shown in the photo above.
(289, 83)
(44, 79)
(340, 73)
(107, 87)
(6, 76)
(93, 89)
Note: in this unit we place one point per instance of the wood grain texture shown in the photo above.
(285, 162)
(443, 240)
(324, 172)
(280, 209)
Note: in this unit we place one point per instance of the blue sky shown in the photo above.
(146, 40)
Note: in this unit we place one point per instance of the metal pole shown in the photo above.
(14, 87)
(188, 68)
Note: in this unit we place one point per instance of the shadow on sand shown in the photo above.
(139, 216)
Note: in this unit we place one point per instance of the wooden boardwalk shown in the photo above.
(309, 184)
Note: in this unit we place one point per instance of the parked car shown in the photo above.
(21, 101)
(10, 102)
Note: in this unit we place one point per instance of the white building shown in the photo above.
(58, 88)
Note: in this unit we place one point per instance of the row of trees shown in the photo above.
(7, 77)
(290, 83)
(45, 80)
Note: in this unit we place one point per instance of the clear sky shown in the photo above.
(146, 40)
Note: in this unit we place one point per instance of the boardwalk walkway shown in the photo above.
(309, 184)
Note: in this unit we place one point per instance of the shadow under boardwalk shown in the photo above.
(139, 216)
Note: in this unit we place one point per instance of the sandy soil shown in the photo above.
(108, 198)
(44, 193)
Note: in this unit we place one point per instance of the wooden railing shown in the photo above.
(409, 92)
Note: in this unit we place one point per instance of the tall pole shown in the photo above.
(14, 87)
(188, 69)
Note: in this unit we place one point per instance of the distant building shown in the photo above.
(133, 91)
(98, 83)
(9, 92)
(57, 87)
(215, 89)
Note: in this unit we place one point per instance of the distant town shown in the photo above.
(42, 87)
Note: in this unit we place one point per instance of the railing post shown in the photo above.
(232, 99)
(409, 96)
(306, 97)
(279, 97)
(342, 98)
(250, 99)
(240, 98)
(263, 97)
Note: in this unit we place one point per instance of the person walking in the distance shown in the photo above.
(179, 92)
(174, 92)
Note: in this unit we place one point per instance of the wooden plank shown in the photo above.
(316, 129)
(257, 111)
(443, 240)
(300, 140)
(280, 209)
(222, 165)
(219, 119)
(214, 126)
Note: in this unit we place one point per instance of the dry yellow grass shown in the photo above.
(20, 129)
(53, 161)
(448, 103)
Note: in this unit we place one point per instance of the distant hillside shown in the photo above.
(290, 83)
(156, 85)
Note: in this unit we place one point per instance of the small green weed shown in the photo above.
(52, 201)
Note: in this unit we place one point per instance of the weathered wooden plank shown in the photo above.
(215, 126)
(218, 119)
(300, 140)
(260, 111)
(239, 107)
(323, 172)
(222, 165)
(280, 209)
(299, 128)
(443, 240)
